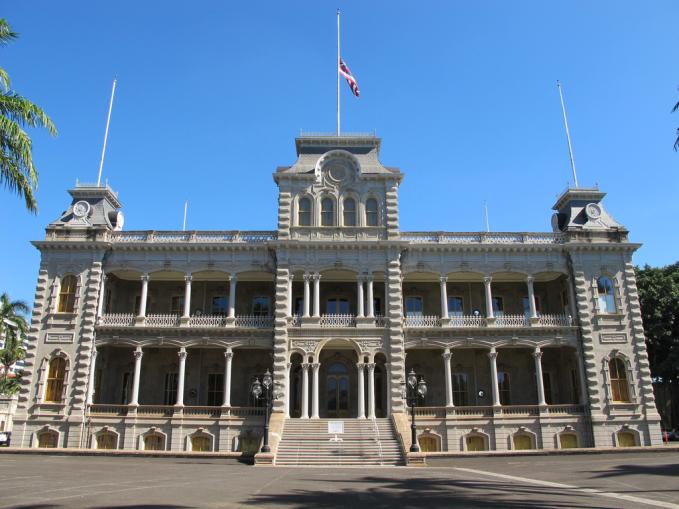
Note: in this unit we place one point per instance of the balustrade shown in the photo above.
(156, 410)
(512, 321)
(482, 237)
(207, 321)
(338, 320)
(162, 321)
(422, 321)
(254, 322)
(188, 237)
(117, 320)
(108, 410)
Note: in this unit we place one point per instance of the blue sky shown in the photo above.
(211, 95)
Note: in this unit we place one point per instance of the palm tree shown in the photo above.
(13, 328)
(17, 171)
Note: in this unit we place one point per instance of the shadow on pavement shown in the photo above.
(670, 470)
(138, 506)
(378, 492)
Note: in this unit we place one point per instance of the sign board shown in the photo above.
(335, 427)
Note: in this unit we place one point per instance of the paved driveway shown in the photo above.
(599, 481)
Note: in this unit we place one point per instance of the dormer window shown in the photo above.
(349, 212)
(371, 218)
(304, 212)
(327, 212)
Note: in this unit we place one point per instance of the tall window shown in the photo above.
(413, 306)
(56, 373)
(337, 306)
(215, 389)
(125, 392)
(304, 212)
(261, 306)
(460, 389)
(67, 295)
(219, 305)
(503, 385)
(619, 386)
(377, 306)
(327, 212)
(349, 212)
(177, 305)
(455, 306)
(371, 217)
(498, 306)
(547, 385)
(606, 295)
(171, 388)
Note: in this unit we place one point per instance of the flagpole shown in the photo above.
(108, 121)
(186, 205)
(338, 72)
(485, 207)
(568, 135)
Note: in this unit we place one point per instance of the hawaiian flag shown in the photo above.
(344, 71)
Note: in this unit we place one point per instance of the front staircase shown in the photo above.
(306, 442)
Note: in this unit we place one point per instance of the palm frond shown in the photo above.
(17, 172)
(4, 79)
(676, 142)
(6, 33)
(676, 107)
(24, 112)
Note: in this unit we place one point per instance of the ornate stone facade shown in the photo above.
(151, 339)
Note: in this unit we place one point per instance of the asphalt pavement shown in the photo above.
(637, 481)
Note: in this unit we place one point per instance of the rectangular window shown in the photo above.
(299, 306)
(413, 306)
(177, 305)
(498, 306)
(336, 306)
(261, 306)
(455, 306)
(171, 388)
(377, 306)
(125, 389)
(503, 385)
(215, 389)
(219, 305)
(460, 389)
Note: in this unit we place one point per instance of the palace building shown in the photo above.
(151, 340)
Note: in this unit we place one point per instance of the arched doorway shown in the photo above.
(337, 390)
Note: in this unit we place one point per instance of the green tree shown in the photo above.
(13, 328)
(659, 297)
(17, 171)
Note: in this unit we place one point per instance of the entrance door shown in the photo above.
(337, 390)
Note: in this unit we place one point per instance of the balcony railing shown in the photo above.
(254, 322)
(170, 320)
(162, 321)
(475, 412)
(207, 321)
(103, 410)
(482, 238)
(117, 320)
(506, 321)
(181, 237)
(338, 320)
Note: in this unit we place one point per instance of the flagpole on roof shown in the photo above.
(485, 208)
(338, 72)
(186, 205)
(568, 135)
(108, 121)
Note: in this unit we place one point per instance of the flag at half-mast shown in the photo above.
(344, 71)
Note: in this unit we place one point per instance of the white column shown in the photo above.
(290, 303)
(288, 366)
(371, 390)
(93, 367)
(489, 297)
(444, 297)
(314, 390)
(233, 280)
(307, 294)
(102, 296)
(360, 305)
(370, 298)
(138, 354)
(361, 390)
(144, 295)
(531, 297)
(449, 380)
(187, 296)
(492, 356)
(182, 376)
(228, 359)
(317, 295)
(537, 355)
(305, 390)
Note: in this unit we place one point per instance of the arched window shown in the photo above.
(619, 385)
(304, 212)
(349, 212)
(106, 440)
(56, 373)
(475, 443)
(327, 212)
(154, 442)
(201, 443)
(522, 442)
(67, 295)
(606, 295)
(626, 439)
(568, 441)
(371, 216)
(48, 439)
